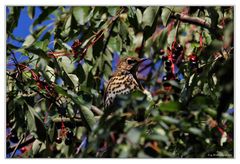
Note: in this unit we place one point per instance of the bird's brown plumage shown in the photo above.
(123, 80)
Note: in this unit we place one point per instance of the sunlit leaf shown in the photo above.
(149, 16)
(170, 106)
(166, 12)
(80, 14)
(31, 12)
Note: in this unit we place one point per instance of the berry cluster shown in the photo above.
(174, 57)
(68, 138)
(177, 53)
(76, 48)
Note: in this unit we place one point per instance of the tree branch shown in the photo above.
(191, 20)
(20, 144)
(96, 110)
(66, 119)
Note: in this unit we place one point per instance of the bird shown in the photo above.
(123, 80)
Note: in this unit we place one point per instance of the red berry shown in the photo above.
(14, 138)
(161, 51)
(179, 48)
(164, 78)
(164, 58)
(58, 140)
(68, 141)
(167, 86)
(69, 134)
(170, 76)
(168, 69)
(23, 149)
(175, 56)
(193, 58)
(193, 64)
(168, 63)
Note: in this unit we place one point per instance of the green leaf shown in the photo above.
(139, 16)
(88, 116)
(43, 45)
(74, 79)
(169, 120)
(171, 106)
(50, 73)
(13, 18)
(79, 71)
(210, 111)
(37, 51)
(115, 44)
(61, 91)
(199, 102)
(81, 14)
(137, 42)
(134, 135)
(29, 40)
(44, 15)
(159, 137)
(195, 131)
(66, 64)
(171, 36)
(112, 10)
(31, 12)
(67, 26)
(84, 109)
(166, 13)
(67, 80)
(132, 12)
(35, 124)
(163, 38)
(26, 75)
(123, 31)
(149, 16)
(214, 16)
(38, 147)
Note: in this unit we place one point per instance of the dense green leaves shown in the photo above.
(55, 89)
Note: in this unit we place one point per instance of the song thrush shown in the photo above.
(123, 80)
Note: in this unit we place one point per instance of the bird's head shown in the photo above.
(130, 63)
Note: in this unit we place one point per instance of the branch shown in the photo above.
(66, 119)
(191, 20)
(51, 99)
(96, 110)
(20, 144)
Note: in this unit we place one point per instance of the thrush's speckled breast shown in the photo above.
(123, 80)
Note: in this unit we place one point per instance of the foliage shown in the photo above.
(55, 96)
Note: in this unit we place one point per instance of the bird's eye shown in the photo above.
(130, 61)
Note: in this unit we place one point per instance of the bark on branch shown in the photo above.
(191, 20)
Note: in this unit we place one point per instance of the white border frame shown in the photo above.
(119, 3)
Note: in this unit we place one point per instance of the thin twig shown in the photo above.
(35, 90)
(17, 146)
(66, 119)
